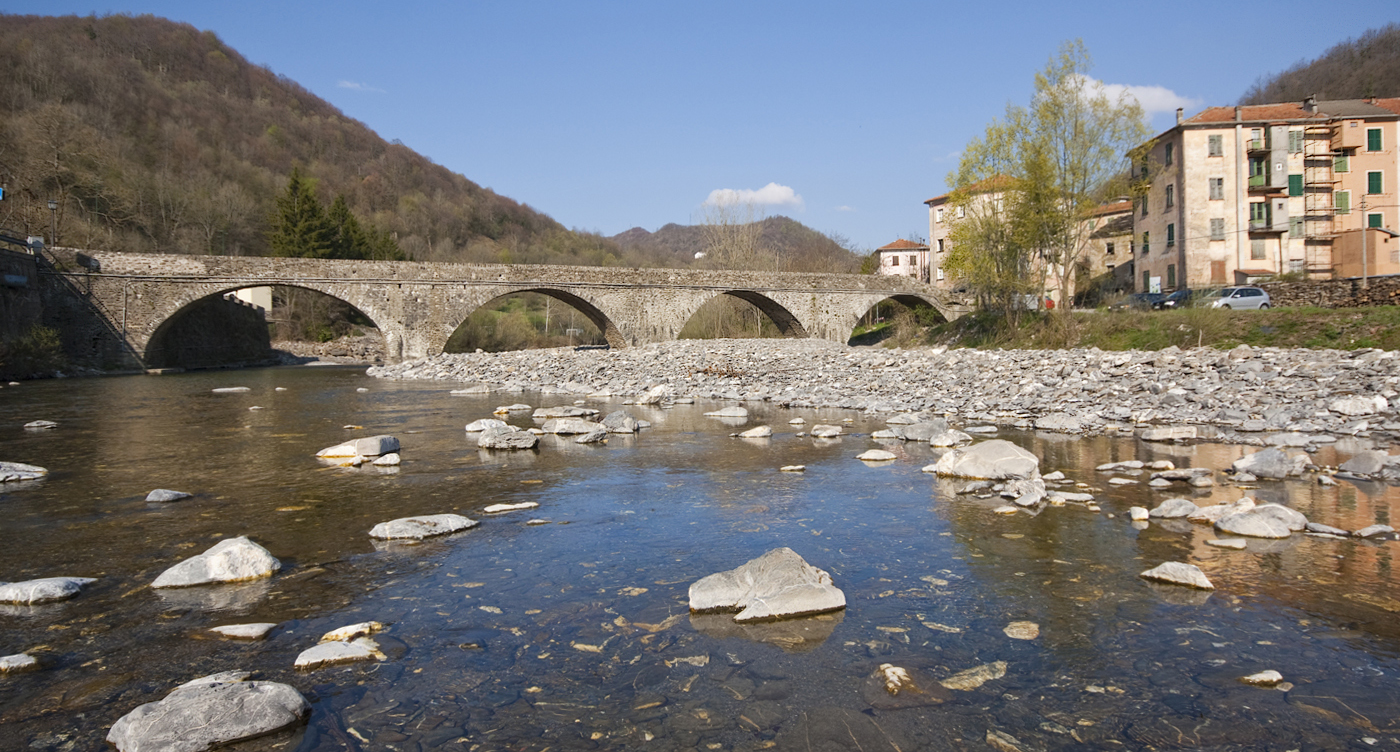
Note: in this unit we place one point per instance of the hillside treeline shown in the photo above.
(1367, 66)
(154, 136)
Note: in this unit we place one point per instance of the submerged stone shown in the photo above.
(421, 527)
(44, 590)
(203, 715)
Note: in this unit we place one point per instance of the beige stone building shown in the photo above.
(1239, 193)
(904, 258)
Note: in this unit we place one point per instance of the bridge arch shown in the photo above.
(472, 302)
(152, 339)
(788, 323)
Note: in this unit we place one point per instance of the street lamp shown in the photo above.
(53, 222)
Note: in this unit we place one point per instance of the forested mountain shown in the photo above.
(791, 245)
(155, 136)
(1368, 66)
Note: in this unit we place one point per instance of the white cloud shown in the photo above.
(769, 195)
(356, 86)
(844, 208)
(1154, 99)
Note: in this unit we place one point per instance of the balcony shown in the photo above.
(1257, 144)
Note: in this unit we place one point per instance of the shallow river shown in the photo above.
(575, 634)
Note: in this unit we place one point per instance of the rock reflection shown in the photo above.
(792, 635)
(238, 598)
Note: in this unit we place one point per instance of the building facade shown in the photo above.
(904, 258)
(1238, 193)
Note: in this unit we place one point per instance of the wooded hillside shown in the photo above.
(794, 246)
(1368, 66)
(155, 136)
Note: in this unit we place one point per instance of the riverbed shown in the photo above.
(566, 626)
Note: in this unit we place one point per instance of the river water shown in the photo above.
(575, 633)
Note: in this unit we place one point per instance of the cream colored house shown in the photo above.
(1238, 193)
(904, 258)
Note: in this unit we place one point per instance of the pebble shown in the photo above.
(1022, 630)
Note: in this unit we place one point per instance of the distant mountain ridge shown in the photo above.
(1367, 66)
(798, 247)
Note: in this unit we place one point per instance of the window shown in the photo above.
(1258, 214)
(1108, 249)
(961, 212)
(1171, 235)
(1256, 249)
(1167, 151)
(913, 261)
(894, 261)
(938, 214)
(1295, 227)
(1145, 244)
(1341, 201)
(1341, 164)
(1373, 139)
(1171, 275)
(940, 245)
(1215, 146)
(1258, 172)
(1146, 282)
(1108, 267)
(1295, 185)
(1217, 229)
(940, 274)
(1375, 182)
(1171, 196)
(1295, 141)
(1144, 206)
(1217, 189)
(1374, 220)
(1256, 138)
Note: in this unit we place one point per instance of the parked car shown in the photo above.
(1183, 298)
(1240, 298)
(1138, 301)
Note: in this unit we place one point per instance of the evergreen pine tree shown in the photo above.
(351, 241)
(300, 227)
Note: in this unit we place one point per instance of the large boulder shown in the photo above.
(570, 426)
(1366, 462)
(208, 713)
(563, 411)
(1173, 508)
(485, 423)
(950, 437)
(1271, 463)
(507, 437)
(996, 459)
(230, 560)
(19, 471)
(45, 590)
(924, 430)
(370, 446)
(653, 395)
(422, 527)
(1358, 405)
(777, 584)
(1262, 522)
(619, 421)
(1178, 573)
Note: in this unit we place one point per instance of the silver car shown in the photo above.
(1239, 298)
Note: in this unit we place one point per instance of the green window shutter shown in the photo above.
(1374, 182)
(1373, 139)
(1295, 141)
(1171, 234)
(1341, 164)
(1342, 201)
(1295, 185)
(1373, 220)
(1171, 275)
(1295, 227)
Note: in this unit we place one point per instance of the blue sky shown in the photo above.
(844, 116)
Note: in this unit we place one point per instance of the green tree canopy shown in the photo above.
(300, 226)
(1028, 187)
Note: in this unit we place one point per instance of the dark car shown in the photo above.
(1183, 298)
(1138, 301)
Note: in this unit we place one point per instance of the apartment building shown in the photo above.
(1238, 193)
(904, 258)
(987, 196)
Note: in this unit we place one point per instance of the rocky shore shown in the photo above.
(1224, 395)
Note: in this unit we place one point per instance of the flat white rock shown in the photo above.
(254, 631)
(229, 560)
(1178, 573)
(348, 633)
(826, 431)
(391, 459)
(166, 494)
(230, 390)
(729, 412)
(758, 432)
(485, 423)
(331, 653)
(43, 590)
(421, 527)
(876, 455)
(793, 468)
(40, 425)
(499, 508)
(990, 460)
(17, 662)
(1264, 678)
(370, 446)
(11, 471)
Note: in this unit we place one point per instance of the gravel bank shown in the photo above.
(1241, 390)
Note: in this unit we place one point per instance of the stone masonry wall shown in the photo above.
(1335, 293)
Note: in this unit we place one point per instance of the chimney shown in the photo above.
(1238, 113)
(1310, 104)
(1178, 115)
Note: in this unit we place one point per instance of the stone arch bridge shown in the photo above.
(418, 305)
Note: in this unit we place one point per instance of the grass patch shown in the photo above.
(1341, 329)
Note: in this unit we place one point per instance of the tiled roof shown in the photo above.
(1116, 207)
(1392, 104)
(1326, 109)
(989, 185)
(903, 245)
